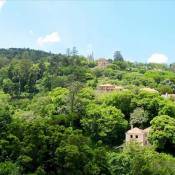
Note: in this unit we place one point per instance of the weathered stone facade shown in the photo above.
(138, 135)
(102, 63)
(109, 88)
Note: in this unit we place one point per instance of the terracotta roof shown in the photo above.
(138, 131)
(135, 131)
(118, 87)
(106, 85)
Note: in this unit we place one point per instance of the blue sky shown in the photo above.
(141, 30)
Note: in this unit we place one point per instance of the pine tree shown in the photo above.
(68, 52)
(74, 51)
(118, 56)
(91, 57)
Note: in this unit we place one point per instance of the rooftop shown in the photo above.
(106, 85)
(135, 130)
(138, 131)
(102, 59)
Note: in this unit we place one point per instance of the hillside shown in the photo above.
(67, 114)
(23, 53)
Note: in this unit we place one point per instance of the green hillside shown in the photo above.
(56, 119)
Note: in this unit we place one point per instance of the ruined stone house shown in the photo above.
(109, 88)
(102, 63)
(138, 135)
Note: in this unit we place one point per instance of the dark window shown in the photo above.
(136, 136)
(131, 136)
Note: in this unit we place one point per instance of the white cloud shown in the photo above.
(2, 2)
(158, 58)
(49, 39)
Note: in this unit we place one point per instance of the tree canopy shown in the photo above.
(54, 119)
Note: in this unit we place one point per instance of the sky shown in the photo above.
(144, 31)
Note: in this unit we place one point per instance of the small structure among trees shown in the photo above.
(169, 96)
(109, 88)
(102, 63)
(138, 135)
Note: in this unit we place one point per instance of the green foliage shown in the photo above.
(150, 102)
(135, 159)
(42, 105)
(9, 168)
(159, 76)
(105, 123)
(168, 108)
(54, 121)
(162, 133)
(163, 89)
(120, 100)
(139, 118)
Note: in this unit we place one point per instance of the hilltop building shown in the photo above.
(102, 63)
(138, 135)
(109, 88)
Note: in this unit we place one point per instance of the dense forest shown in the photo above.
(54, 120)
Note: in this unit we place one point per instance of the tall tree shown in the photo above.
(162, 133)
(74, 51)
(91, 57)
(105, 123)
(118, 56)
(139, 118)
(68, 52)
